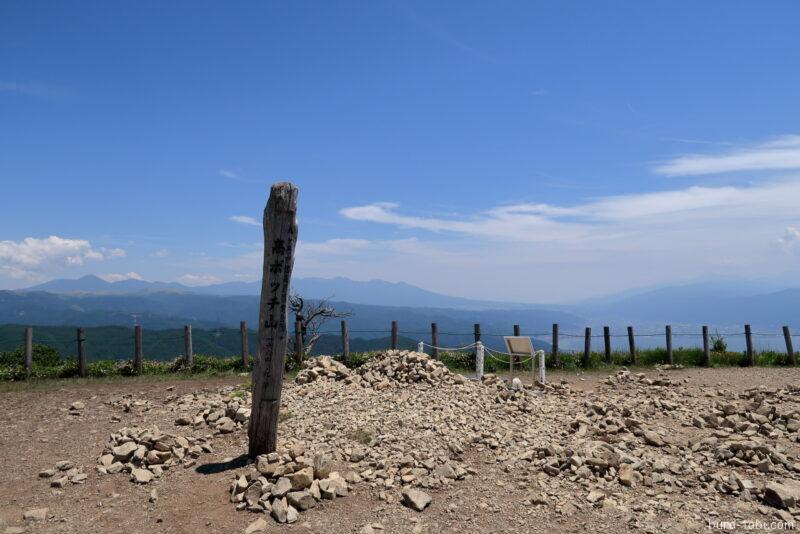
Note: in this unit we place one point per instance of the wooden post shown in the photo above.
(435, 341)
(787, 337)
(280, 238)
(394, 335)
(298, 344)
(28, 350)
(137, 349)
(81, 338)
(515, 359)
(245, 344)
(345, 343)
(476, 331)
(188, 353)
(607, 342)
(706, 348)
(748, 337)
(516, 330)
(587, 347)
(668, 333)
(632, 345)
(556, 360)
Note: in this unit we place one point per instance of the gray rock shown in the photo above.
(279, 510)
(141, 476)
(416, 499)
(782, 495)
(259, 525)
(35, 514)
(302, 500)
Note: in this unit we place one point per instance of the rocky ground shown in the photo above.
(404, 445)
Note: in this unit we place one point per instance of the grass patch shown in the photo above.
(361, 436)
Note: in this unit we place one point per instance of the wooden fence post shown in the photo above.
(394, 335)
(556, 359)
(632, 345)
(298, 344)
(668, 333)
(280, 238)
(607, 342)
(81, 353)
(516, 359)
(587, 347)
(706, 348)
(137, 349)
(748, 337)
(435, 341)
(787, 337)
(28, 350)
(345, 343)
(245, 344)
(188, 353)
(476, 330)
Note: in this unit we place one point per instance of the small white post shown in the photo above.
(479, 360)
(540, 353)
(421, 347)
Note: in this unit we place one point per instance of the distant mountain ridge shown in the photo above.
(372, 292)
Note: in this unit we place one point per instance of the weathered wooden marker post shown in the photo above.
(280, 238)
(706, 349)
(394, 335)
(607, 342)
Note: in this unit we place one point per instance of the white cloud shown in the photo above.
(161, 253)
(244, 219)
(34, 253)
(790, 241)
(333, 246)
(198, 279)
(780, 153)
(227, 173)
(118, 277)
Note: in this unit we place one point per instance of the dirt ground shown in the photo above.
(36, 431)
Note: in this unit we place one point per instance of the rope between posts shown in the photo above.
(448, 349)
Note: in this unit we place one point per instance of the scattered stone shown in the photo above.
(35, 514)
(416, 499)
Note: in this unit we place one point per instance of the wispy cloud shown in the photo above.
(790, 240)
(161, 253)
(244, 219)
(232, 175)
(780, 153)
(199, 279)
(36, 90)
(118, 277)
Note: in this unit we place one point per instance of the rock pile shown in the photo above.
(64, 473)
(146, 453)
(282, 485)
(322, 368)
(223, 413)
(393, 367)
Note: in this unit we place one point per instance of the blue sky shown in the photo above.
(515, 150)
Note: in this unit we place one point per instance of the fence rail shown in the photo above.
(434, 334)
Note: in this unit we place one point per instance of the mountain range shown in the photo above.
(91, 301)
